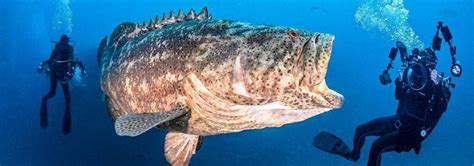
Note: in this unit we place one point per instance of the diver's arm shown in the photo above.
(48, 61)
(76, 61)
(79, 63)
(83, 68)
(442, 96)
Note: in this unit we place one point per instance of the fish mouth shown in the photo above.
(334, 99)
(316, 54)
(323, 49)
(312, 63)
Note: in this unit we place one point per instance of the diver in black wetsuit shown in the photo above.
(418, 112)
(60, 68)
(423, 97)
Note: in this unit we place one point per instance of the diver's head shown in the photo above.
(428, 58)
(64, 39)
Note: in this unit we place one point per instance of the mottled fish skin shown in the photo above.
(229, 76)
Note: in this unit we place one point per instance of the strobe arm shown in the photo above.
(392, 55)
(385, 76)
(456, 68)
(448, 38)
(403, 52)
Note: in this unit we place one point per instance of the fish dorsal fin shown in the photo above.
(127, 31)
(172, 18)
(157, 22)
(180, 147)
(137, 123)
(203, 15)
(181, 16)
(191, 15)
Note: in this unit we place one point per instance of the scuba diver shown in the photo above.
(60, 68)
(422, 95)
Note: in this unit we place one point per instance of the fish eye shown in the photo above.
(292, 33)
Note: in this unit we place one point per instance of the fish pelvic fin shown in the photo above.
(180, 147)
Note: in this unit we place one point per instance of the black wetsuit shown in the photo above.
(60, 68)
(416, 111)
(62, 65)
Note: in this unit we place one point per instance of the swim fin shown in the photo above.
(43, 115)
(332, 144)
(67, 121)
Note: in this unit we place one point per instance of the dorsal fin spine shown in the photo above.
(203, 15)
(172, 19)
(181, 16)
(164, 20)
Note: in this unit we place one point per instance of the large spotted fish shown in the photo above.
(194, 77)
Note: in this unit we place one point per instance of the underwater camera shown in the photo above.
(417, 74)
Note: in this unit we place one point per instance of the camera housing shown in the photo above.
(416, 76)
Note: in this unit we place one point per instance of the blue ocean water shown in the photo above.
(359, 55)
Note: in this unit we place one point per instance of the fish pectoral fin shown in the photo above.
(135, 124)
(180, 147)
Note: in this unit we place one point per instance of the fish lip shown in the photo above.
(330, 38)
(339, 99)
(329, 98)
(333, 98)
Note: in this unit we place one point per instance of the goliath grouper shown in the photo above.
(194, 77)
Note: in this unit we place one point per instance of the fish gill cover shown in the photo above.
(390, 17)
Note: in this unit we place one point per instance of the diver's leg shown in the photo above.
(385, 143)
(376, 127)
(44, 107)
(67, 111)
(52, 90)
(67, 94)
